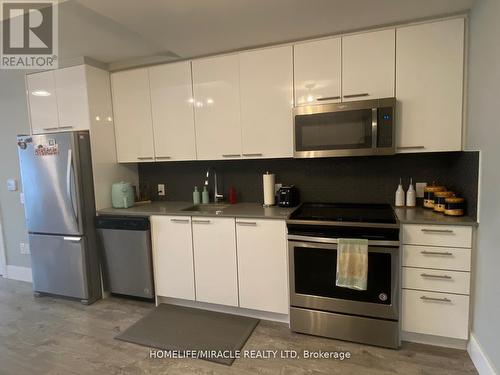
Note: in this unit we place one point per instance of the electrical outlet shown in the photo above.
(277, 187)
(419, 187)
(24, 248)
(21, 198)
(161, 189)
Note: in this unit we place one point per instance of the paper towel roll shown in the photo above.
(268, 183)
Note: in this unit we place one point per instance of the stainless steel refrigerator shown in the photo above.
(56, 172)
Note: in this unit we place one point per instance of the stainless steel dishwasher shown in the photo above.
(127, 260)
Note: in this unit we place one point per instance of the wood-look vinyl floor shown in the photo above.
(56, 336)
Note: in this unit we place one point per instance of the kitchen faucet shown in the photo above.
(217, 197)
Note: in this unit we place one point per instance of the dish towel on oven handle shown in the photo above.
(352, 263)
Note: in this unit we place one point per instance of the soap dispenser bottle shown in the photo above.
(204, 195)
(411, 199)
(196, 196)
(400, 195)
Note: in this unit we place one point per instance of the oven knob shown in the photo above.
(382, 297)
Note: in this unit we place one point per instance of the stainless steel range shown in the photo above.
(317, 305)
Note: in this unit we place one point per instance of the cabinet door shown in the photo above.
(132, 112)
(262, 265)
(266, 81)
(173, 256)
(173, 113)
(429, 86)
(368, 65)
(217, 107)
(72, 98)
(214, 244)
(42, 102)
(317, 71)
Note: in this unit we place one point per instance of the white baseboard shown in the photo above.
(479, 358)
(18, 273)
(264, 315)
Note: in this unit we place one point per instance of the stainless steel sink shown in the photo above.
(207, 208)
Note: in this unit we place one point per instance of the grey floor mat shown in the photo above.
(172, 327)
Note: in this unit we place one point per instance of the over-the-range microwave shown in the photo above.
(365, 127)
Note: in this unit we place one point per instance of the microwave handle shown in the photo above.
(374, 127)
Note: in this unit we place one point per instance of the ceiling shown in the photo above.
(125, 33)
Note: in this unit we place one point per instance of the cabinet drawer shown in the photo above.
(436, 280)
(437, 314)
(445, 258)
(437, 235)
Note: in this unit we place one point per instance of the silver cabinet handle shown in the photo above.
(65, 127)
(329, 98)
(356, 95)
(247, 223)
(53, 128)
(425, 298)
(410, 147)
(231, 155)
(72, 239)
(179, 220)
(163, 157)
(436, 230)
(446, 277)
(145, 157)
(256, 154)
(425, 252)
(200, 221)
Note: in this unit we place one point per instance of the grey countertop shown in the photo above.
(419, 215)
(415, 215)
(248, 210)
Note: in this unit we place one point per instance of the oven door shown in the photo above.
(313, 269)
(344, 129)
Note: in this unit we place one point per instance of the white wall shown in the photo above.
(13, 121)
(484, 135)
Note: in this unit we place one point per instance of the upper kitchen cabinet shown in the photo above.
(429, 86)
(266, 90)
(217, 107)
(172, 111)
(72, 98)
(41, 89)
(317, 71)
(58, 100)
(132, 113)
(368, 65)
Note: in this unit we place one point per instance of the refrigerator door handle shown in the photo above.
(72, 239)
(69, 171)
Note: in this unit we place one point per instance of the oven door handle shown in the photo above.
(326, 240)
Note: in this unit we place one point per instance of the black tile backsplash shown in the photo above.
(370, 179)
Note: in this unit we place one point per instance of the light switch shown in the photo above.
(161, 189)
(12, 184)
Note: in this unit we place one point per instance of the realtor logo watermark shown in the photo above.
(29, 34)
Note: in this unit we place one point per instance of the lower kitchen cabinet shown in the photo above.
(173, 256)
(262, 265)
(214, 246)
(436, 280)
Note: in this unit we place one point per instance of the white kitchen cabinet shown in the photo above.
(429, 86)
(318, 71)
(172, 111)
(132, 113)
(42, 99)
(436, 280)
(173, 256)
(262, 265)
(217, 107)
(216, 276)
(72, 98)
(266, 96)
(368, 65)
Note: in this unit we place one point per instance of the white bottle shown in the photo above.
(400, 195)
(411, 199)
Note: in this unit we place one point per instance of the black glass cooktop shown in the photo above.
(348, 212)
